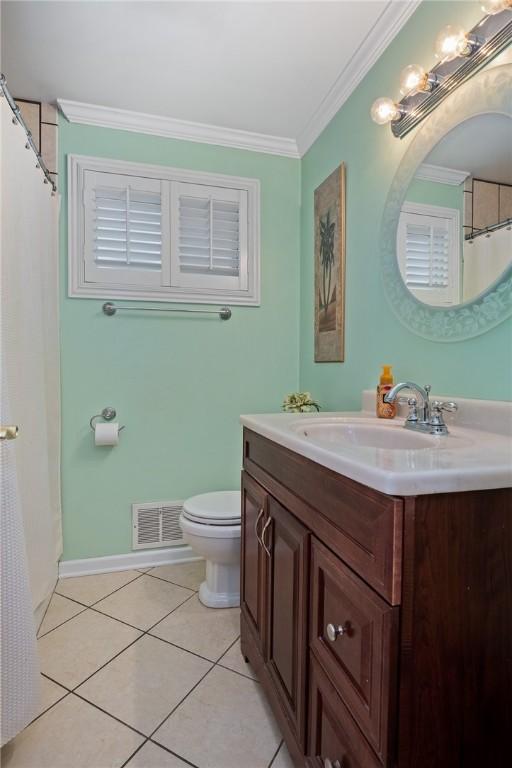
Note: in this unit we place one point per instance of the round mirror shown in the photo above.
(447, 225)
(454, 237)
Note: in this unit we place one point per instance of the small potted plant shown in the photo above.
(299, 402)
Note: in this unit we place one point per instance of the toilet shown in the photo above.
(211, 526)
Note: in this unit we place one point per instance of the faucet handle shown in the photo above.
(447, 405)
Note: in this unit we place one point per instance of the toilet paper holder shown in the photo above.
(107, 413)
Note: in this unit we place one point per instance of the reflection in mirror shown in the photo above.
(454, 237)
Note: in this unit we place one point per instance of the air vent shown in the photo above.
(157, 525)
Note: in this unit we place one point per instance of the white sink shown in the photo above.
(365, 433)
(382, 454)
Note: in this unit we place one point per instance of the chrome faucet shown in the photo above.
(427, 416)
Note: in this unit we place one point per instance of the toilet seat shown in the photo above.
(220, 508)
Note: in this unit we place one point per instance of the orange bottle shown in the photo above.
(385, 410)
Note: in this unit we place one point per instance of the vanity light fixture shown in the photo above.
(452, 42)
(460, 55)
(495, 6)
(414, 78)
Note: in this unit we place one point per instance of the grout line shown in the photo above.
(145, 631)
(175, 754)
(84, 608)
(46, 609)
(180, 702)
(89, 605)
(134, 753)
(161, 578)
(276, 754)
(50, 707)
(96, 706)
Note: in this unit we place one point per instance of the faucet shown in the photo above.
(427, 417)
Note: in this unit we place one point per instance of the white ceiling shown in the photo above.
(266, 67)
(481, 146)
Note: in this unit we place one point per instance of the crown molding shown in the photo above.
(387, 26)
(157, 125)
(428, 172)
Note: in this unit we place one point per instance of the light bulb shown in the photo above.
(495, 6)
(412, 79)
(451, 42)
(384, 110)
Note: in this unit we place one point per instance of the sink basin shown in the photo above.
(359, 433)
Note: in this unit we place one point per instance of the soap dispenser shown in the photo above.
(385, 410)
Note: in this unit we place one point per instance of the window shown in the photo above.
(429, 252)
(150, 232)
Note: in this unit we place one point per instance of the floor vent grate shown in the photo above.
(157, 525)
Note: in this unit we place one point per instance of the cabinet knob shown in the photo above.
(333, 632)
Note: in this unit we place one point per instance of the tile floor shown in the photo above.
(136, 672)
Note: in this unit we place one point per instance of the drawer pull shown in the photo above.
(333, 632)
(260, 514)
(267, 549)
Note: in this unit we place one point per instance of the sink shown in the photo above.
(381, 454)
(391, 437)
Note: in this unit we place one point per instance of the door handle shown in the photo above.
(9, 432)
(256, 523)
(267, 549)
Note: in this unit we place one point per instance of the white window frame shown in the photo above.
(79, 287)
(441, 297)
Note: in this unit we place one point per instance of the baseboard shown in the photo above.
(144, 559)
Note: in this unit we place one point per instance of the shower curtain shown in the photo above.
(30, 524)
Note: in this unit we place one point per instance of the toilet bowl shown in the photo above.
(211, 526)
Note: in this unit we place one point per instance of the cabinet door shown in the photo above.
(361, 660)
(286, 544)
(334, 739)
(253, 562)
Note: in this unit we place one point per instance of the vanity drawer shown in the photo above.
(360, 661)
(363, 526)
(334, 740)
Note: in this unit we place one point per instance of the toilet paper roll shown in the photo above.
(106, 434)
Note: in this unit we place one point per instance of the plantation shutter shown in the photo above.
(428, 250)
(209, 236)
(125, 229)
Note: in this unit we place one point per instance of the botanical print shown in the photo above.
(330, 268)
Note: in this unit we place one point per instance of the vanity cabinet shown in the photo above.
(379, 627)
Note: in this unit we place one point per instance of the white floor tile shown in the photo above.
(234, 660)
(225, 722)
(81, 646)
(72, 734)
(283, 759)
(51, 693)
(144, 602)
(151, 756)
(143, 684)
(89, 589)
(188, 575)
(206, 631)
(59, 610)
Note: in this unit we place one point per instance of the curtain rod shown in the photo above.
(18, 118)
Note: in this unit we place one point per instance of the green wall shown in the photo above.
(480, 367)
(178, 384)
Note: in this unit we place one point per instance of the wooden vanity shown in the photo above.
(380, 627)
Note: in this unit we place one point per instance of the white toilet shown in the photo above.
(211, 525)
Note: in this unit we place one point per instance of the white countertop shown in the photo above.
(470, 458)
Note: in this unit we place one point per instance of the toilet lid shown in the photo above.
(217, 508)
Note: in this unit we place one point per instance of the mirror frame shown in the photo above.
(489, 91)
